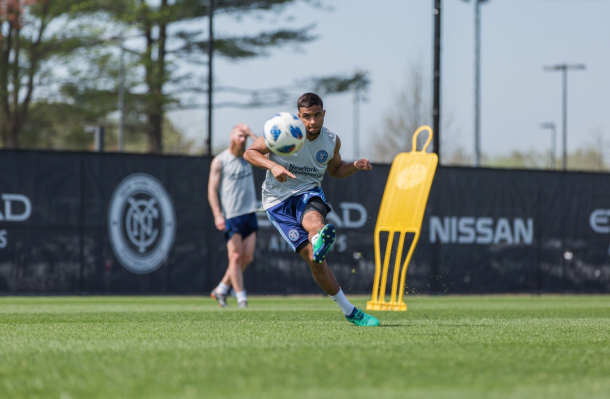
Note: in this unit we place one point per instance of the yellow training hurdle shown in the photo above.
(402, 211)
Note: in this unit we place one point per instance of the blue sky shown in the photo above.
(519, 37)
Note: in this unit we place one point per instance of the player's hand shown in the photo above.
(250, 133)
(281, 174)
(363, 164)
(220, 223)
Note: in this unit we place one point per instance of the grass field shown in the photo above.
(186, 347)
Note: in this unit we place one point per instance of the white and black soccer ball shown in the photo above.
(284, 134)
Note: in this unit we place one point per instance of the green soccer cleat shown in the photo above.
(361, 319)
(326, 238)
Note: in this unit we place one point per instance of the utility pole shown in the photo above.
(436, 103)
(553, 128)
(357, 124)
(477, 82)
(210, 84)
(98, 137)
(122, 96)
(564, 68)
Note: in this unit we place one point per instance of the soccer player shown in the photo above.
(294, 200)
(231, 176)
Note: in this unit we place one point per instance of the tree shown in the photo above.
(591, 157)
(169, 41)
(59, 125)
(411, 110)
(30, 41)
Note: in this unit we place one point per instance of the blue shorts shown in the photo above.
(243, 225)
(286, 216)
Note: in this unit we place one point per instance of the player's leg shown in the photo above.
(248, 245)
(245, 227)
(313, 223)
(323, 275)
(321, 235)
(235, 249)
(249, 232)
(221, 291)
(289, 218)
(247, 250)
(327, 281)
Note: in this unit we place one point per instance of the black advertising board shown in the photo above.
(83, 223)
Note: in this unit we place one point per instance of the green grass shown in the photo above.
(186, 347)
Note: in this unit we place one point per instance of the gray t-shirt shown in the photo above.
(308, 165)
(237, 192)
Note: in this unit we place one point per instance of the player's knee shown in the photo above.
(313, 219)
(235, 258)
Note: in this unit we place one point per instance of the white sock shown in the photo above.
(343, 303)
(314, 239)
(241, 296)
(222, 288)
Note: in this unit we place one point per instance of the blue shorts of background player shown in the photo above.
(287, 216)
(244, 225)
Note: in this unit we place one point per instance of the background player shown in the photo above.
(231, 177)
(294, 200)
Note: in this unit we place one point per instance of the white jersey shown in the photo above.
(308, 165)
(237, 191)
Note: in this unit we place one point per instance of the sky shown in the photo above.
(387, 37)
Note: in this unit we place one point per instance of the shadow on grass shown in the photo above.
(464, 325)
(440, 325)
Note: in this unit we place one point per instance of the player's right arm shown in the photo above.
(256, 156)
(213, 199)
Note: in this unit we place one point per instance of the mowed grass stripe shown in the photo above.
(186, 347)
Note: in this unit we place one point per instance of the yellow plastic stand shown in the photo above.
(402, 211)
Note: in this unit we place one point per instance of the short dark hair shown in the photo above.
(309, 100)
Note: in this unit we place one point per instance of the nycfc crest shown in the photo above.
(293, 235)
(141, 223)
(321, 156)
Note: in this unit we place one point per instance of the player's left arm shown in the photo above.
(338, 168)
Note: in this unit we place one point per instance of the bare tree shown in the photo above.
(593, 156)
(411, 110)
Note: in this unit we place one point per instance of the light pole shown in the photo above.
(122, 96)
(357, 124)
(553, 128)
(210, 80)
(565, 68)
(98, 137)
(436, 102)
(120, 39)
(477, 82)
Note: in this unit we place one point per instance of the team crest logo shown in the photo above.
(321, 156)
(293, 235)
(141, 223)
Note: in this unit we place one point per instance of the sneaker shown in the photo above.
(222, 299)
(242, 304)
(361, 319)
(326, 238)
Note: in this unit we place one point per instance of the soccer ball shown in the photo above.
(284, 134)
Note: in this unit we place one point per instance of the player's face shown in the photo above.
(239, 137)
(312, 118)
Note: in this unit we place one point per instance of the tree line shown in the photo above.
(60, 65)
